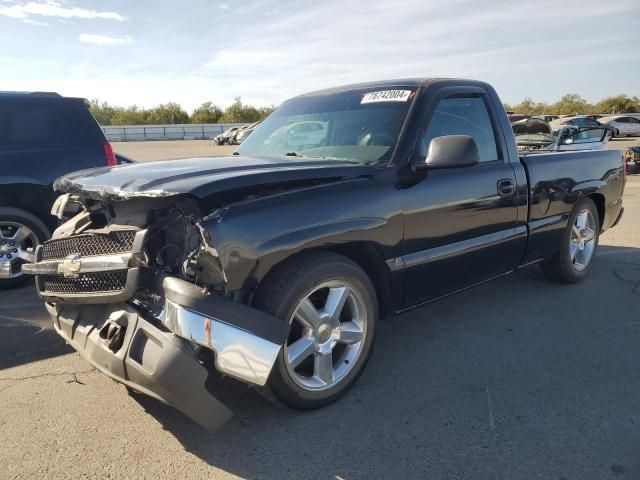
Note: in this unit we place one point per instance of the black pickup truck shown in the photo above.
(273, 266)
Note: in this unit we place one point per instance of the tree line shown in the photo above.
(238, 112)
(173, 113)
(573, 104)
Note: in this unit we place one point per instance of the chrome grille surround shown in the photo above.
(99, 266)
(88, 244)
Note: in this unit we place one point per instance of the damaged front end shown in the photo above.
(137, 288)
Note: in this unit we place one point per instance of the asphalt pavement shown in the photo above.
(515, 379)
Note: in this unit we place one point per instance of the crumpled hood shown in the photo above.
(199, 177)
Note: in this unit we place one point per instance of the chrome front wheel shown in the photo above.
(329, 326)
(331, 306)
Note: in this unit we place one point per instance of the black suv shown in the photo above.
(42, 136)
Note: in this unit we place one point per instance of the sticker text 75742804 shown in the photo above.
(387, 96)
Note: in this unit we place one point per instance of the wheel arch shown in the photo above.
(599, 201)
(365, 254)
(33, 198)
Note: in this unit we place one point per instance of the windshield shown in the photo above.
(359, 125)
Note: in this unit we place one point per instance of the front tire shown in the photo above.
(573, 261)
(332, 308)
(20, 233)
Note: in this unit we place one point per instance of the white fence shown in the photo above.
(127, 133)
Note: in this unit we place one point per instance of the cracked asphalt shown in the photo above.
(515, 379)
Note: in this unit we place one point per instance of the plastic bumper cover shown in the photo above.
(147, 359)
(617, 220)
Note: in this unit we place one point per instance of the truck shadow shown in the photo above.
(498, 371)
(26, 333)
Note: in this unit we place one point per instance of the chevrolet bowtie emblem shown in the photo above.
(70, 266)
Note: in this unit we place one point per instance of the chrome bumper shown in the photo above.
(246, 341)
(238, 353)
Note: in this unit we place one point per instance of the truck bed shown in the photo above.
(558, 179)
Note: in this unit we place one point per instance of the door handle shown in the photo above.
(506, 187)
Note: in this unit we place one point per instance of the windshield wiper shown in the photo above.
(293, 154)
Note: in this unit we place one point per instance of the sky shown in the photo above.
(190, 51)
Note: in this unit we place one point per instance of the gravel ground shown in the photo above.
(149, 151)
(515, 379)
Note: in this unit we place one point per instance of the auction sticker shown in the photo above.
(386, 96)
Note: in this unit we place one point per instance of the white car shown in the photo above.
(622, 124)
(576, 121)
(301, 134)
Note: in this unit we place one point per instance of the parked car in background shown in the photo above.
(576, 120)
(244, 133)
(533, 134)
(343, 205)
(42, 137)
(516, 117)
(302, 134)
(225, 137)
(632, 155)
(233, 139)
(623, 125)
(546, 118)
(595, 116)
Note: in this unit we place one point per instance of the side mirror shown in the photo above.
(450, 151)
(566, 135)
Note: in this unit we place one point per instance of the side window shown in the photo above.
(621, 120)
(30, 124)
(588, 135)
(633, 120)
(464, 116)
(24, 125)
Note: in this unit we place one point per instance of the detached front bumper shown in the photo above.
(159, 358)
(150, 361)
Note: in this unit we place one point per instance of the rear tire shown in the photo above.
(332, 308)
(573, 261)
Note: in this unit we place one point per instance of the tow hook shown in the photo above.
(113, 330)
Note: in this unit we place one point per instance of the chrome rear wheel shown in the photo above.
(582, 241)
(578, 244)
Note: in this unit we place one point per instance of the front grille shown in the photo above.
(85, 283)
(119, 241)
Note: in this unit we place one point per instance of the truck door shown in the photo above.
(461, 223)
